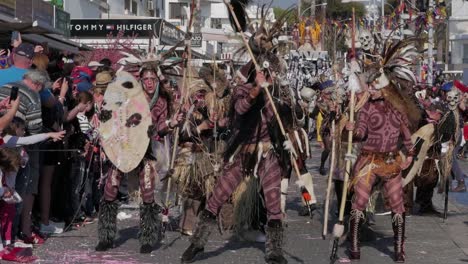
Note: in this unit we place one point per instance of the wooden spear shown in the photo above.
(338, 229)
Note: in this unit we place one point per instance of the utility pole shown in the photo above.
(299, 9)
(430, 46)
(382, 18)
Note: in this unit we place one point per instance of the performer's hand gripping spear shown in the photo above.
(338, 229)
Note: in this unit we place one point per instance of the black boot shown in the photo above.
(323, 159)
(150, 227)
(305, 210)
(107, 225)
(398, 225)
(274, 243)
(206, 224)
(355, 222)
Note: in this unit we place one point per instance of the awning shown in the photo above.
(55, 44)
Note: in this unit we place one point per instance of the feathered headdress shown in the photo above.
(394, 64)
(133, 62)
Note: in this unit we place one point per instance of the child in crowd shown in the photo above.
(81, 138)
(12, 156)
(81, 75)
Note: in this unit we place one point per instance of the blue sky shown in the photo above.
(284, 3)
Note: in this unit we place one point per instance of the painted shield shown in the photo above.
(423, 135)
(125, 120)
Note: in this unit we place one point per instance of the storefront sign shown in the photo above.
(197, 39)
(7, 7)
(100, 28)
(170, 34)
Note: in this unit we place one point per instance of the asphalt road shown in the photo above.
(429, 239)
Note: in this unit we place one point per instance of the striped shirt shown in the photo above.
(30, 106)
(85, 125)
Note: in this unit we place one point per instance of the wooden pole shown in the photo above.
(329, 183)
(339, 227)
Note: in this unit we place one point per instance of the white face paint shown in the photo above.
(367, 40)
(453, 98)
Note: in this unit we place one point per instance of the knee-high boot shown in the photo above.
(206, 225)
(355, 222)
(150, 227)
(398, 225)
(107, 225)
(274, 243)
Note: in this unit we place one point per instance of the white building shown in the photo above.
(218, 35)
(86, 9)
(458, 36)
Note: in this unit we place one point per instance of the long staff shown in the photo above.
(338, 229)
(270, 98)
(329, 184)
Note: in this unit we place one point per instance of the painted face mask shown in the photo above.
(453, 99)
(366, 40)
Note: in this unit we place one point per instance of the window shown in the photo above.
(216, 23)
(465, 53)
(131, 6)
(134, 7)
(176, 10)
(127, 5)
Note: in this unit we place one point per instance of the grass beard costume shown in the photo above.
(200, 152)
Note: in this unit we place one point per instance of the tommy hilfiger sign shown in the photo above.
(100, 28)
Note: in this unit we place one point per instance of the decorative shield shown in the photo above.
(424, 137)
(125, 120)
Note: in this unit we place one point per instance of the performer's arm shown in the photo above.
(160, 115)
(361, 129)
(406, 133)
(244, 100)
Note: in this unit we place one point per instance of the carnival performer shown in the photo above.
(430, 155)
(250, 151)
(383, 121)
(454, 122)
(199, 157)
(150, 222)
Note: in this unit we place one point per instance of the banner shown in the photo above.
(197, 39)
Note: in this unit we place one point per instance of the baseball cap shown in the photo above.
(26, 50)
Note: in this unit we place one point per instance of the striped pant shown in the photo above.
(146, 174)
(269, 172)
(393, 190)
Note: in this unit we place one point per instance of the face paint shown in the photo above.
(149, 80)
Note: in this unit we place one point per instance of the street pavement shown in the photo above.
(430, 240)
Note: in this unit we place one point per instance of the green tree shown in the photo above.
(339, 11)
(292, 17)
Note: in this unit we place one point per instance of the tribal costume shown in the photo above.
(382, 121)
(256, 146)
(200, 149)
(150, 222)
